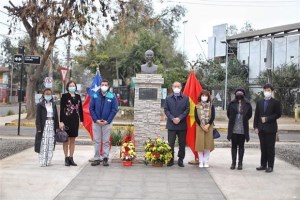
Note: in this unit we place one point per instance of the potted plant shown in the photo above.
(128, 153)
(157, 151)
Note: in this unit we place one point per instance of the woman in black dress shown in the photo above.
(70, 115)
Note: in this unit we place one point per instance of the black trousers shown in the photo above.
(181, 140)
(267, 148)
(237, 145)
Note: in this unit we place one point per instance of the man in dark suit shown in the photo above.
(177, 108)
(267, 111)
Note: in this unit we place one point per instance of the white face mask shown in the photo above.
(268, 94)
(176, 90)
(104, 88)
(204, 98)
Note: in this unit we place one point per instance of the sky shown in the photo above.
(202, 15)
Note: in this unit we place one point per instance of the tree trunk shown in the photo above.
(30, 100)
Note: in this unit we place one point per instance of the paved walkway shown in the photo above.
(22, 178)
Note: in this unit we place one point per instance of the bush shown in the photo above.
(10, 112)
(116, 138)
(286, 81)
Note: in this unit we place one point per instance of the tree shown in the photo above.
(212, 76)
(136, 29)
(286, 81)
(238, 75)
(233, 29)
(48, 21)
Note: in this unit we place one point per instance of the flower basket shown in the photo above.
(157, 151)
(127, 153)
(127, 163)
(157, 164)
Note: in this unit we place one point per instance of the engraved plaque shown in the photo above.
(148, 93)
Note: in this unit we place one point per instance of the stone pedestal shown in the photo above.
(147, 106)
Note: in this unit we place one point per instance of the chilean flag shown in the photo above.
(87, 119)
(192, 90)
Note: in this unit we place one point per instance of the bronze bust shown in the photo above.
(149, 67)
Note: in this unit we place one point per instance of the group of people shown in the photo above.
(103, 108)
(239, 112)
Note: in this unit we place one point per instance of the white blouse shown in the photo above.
(49, 109)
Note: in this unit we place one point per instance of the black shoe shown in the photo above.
(95, 163)
(67, 161)
(72, 163)
(240, 166)
(232, 165)
(105, 162)
(180, 163)
(260, 168)
(269, 170)
(170, 164)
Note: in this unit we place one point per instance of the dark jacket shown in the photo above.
(272, 113)
(109, 110)
(177, 108)
(212, 116)
(232, 111)
(41, 117)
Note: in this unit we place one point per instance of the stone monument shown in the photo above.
(147, 103)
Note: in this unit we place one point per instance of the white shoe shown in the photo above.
(206, 165)
(201, 165)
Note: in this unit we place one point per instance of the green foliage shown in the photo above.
(211, 75)
(136, 30)
(286, 81)
(10, 112)
(173, 74)
(116, 138)
(237, 76)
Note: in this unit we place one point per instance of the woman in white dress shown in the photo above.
(46, 124)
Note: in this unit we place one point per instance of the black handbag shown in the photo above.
(61, 135)
(216, 133)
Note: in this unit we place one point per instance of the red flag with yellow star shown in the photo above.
(192, 89)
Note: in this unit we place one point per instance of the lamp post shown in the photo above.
(183, 46)
(226, 74)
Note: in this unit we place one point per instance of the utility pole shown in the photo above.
(20, 95)
(183, 45)
(226, 75)
(69, 56)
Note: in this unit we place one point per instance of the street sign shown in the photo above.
(18, 58)
(63, 72)
(33, 60)
(48, 82)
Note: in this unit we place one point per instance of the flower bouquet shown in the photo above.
(157, 151)
(128, 153)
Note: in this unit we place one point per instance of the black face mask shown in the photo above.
(239, 97)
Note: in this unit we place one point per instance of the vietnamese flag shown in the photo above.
(87, 119)
(192, 89)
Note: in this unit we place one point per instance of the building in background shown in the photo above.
(260, 50)
(4, 87)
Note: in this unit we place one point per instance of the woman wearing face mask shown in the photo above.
(46, 124)
(239, 113)
(71, 114)
(204, 116)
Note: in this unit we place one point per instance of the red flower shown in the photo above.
(127, 149)
(151, 145)
(157, 155)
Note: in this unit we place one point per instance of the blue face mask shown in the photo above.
(72, 89)
(48, 97)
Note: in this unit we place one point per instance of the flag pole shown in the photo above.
(196, 160)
